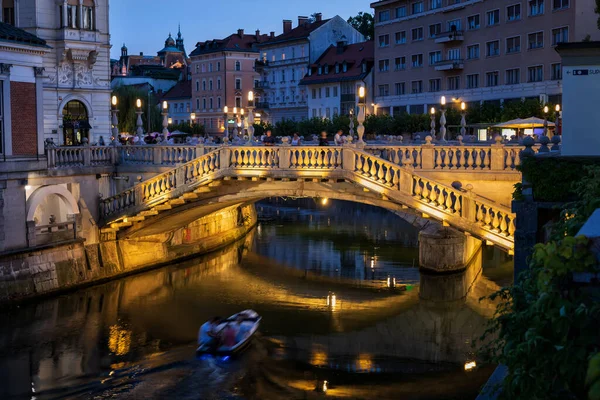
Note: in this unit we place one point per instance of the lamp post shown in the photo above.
(193, 118)
(351, 131)
(242, 122)
(139, 123)
(250, 117)
(463, 119)
(361, 116)
(165, 114)
(443, 120)
(557, 121)
(115, 121)
(226, 121)
(236, 123)
(546, 120)
(432, 115)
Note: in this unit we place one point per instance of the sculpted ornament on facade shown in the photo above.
(65, 74)
(83, 75)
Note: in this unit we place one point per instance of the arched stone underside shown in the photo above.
(40, 194)
(228, 176)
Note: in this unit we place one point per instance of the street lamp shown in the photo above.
(361, 115)
(443, 119)
(139, 112)
(226, 120)
(557, 122)
(115, 121)
(250, 117)
(546, 120)
(463, 119)
(432, 116)
(165, 113)
(193, 118)
(351, 131)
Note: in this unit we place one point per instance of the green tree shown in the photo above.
(127, 96)
(285, 127)
(364, 23)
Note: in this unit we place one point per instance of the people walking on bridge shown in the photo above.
(323, 139)
(338, 139)
(269, 140)
(296, 141)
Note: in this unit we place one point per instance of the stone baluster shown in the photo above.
(428, 154)
(285, 155)
(528, 142)
(544, 140)
(497, 162)
(224, 155)
(555, 143)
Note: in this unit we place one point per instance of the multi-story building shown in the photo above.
(179, 103)
(333, 80)
(223, 72)
(473, 50)
(76, 70)
(286, 59)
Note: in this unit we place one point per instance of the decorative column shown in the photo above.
(361, 116)
(139, 123)
(250, 117)
(165, 124)
(432, 114)
(546, 120)
(463, 120)
(115, 121)
(443, 120)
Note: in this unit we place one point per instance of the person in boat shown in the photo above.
(242, 329)
(229, 335)
(208, 332)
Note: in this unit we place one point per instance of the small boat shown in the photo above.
(249, 322)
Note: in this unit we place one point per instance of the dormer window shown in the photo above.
(345, 67)
(364, 68)
(337, 68)
(310, 72)
(320, 70)
(326, 69)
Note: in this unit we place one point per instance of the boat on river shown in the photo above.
(247, 322)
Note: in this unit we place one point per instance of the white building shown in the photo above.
(76, 75)
(287, 58)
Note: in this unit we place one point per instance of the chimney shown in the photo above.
(240, 32)
(287, 25)
(318, 17)
(341, 46)
(302, 21)
(141, 53)
(272, 35)
(257, 34)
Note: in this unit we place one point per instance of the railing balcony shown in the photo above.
(296, 60)
(449, 65)
(262, 105)
(449, 37)
(261, 85)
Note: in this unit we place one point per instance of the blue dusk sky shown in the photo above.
(143, 25)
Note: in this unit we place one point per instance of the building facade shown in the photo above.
(223, 72)
(473, 50)
(76, 71)
(179, 103)
(333, 80)
(286, 59)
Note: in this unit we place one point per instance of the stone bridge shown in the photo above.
(464, 186)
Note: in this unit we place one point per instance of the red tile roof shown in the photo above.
(182, 90)
(233, 42)
(353, 55)
(299, 32)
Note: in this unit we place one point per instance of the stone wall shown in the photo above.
(28, 274)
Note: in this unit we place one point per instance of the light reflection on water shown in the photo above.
(134, 336)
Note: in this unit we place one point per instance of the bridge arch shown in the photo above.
(41, 195)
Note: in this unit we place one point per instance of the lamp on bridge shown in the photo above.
(115, 121)
(139, 123)
(432, 114)
(361, 115)
(193, 118)
(226, 120)
(443, 119)
(546, 109)
(241, 123)
(250, 117)
(165, 124)
(236, 123)
(463, 120)
(557, 116)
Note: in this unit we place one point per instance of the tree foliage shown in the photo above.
(127, 96)
(364, 23)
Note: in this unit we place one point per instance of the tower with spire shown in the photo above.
(179, 41)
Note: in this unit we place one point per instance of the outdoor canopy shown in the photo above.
(531, 122)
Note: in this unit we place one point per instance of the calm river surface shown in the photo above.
(319, 274)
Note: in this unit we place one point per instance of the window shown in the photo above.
(71, 16)
(335, 91)
(435, 85)
(435, 57)
(218, 83)
(203, 84)
(384, 15)
(513, 13)
(491, 79)
(204, 104)
(535, 40)
(417, 7)
(210, 84)
(433, 4)
(513, 76)
(417, 86)
(238, 66)
(210, 67)
(400, 88)
(384, 90)
(401, 37)
(320, 93)
(283, 75)
(197, 86)
(210, 103)
(453, 82)
(401, 12)
(513, 45)
(492, 48)
(417, 60)
(400, 63)
(560, 4)
(88, 17)
(314, 94)
(454, 54)
(203, 68)
(454, 25)
(560, 35)
(535, 74)
(473, 22)
(327, 112)
(417, 34)
(435, 30)
(384, 40)
(556, 72)
(327, 92)
(238, 83)
(218, 65)
(536, 7)
(197, 104)
(493, 17)
(218, 102)
(344, 67)
(8, 14)
(238, 101)
(384, 65)
(473, 81)
(314, 113)
(473, 52)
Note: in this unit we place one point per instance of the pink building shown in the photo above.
(223, 72)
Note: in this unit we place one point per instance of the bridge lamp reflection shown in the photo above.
(372, 262)
(324, 386)
(324, 201)
(470, 365)
(331, 300)
(391, 282)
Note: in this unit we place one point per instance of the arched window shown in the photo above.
(76, 125)
(197, 86)
(210, 84)
(210, 103)
(238, 66)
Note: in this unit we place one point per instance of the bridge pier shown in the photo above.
(451, 262)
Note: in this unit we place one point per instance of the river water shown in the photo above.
(337, 285)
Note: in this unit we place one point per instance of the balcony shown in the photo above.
(449, 37)
(259, 66)
(348, 97)
(297, 60)
(449, 65)
(261, 85)
(263, 105)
